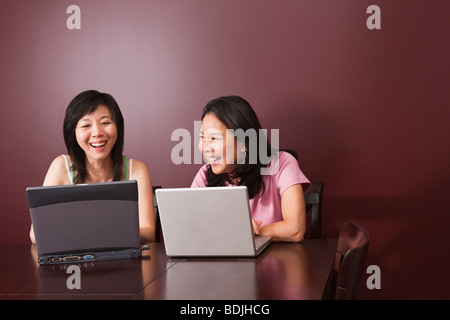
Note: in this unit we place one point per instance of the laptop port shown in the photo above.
(72, 258)
(56, 259)
(88, 257)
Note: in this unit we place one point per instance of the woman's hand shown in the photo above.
(256, 224)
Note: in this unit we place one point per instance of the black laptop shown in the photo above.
(88, 222)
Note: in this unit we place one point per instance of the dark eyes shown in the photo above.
(203, 138)
(103, 124)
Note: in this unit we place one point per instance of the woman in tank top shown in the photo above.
(94, 137)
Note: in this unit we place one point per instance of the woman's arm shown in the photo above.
(56, 175)
(293, 226)
(146, 205)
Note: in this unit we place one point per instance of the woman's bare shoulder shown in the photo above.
(57, 173)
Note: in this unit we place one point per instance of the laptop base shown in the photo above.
(261, 243)
(89, 256)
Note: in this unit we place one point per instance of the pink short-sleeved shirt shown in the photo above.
(284, 174)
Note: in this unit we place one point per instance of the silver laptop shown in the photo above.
(211, 221)
(90, 222)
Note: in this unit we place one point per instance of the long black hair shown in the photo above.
(85, 103)
(236, 113)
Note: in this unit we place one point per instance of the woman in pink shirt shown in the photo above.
(230, 140)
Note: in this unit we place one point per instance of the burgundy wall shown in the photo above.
(367, 110)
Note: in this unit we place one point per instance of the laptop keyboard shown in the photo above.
(260, 241)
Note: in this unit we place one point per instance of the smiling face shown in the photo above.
(218, 146)
(96, 133)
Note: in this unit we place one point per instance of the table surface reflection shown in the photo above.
(284, 271)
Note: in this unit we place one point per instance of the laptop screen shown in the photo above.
(79, 218)
(212, 221)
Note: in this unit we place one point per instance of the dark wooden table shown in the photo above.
(284, 271)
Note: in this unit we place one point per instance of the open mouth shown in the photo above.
(214, 160)
(98, 145)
